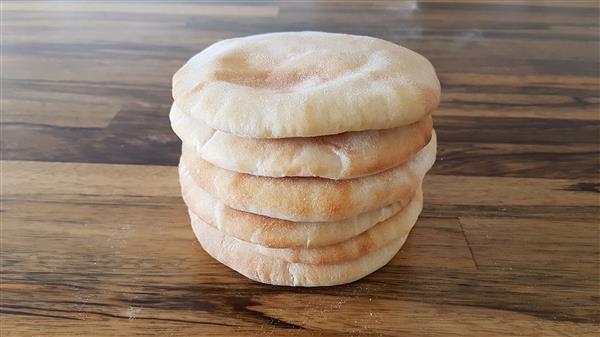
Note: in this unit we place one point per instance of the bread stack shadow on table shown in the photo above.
(304, 153)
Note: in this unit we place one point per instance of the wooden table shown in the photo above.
(96, 240)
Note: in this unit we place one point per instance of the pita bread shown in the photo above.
(376, 237)
(305, 84)
(273, 232)
(311, 199)
(342, 156)
(242, 257)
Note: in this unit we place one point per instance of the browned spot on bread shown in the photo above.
(238, 70)
(342, 196)
(263, 79)
(365, 245)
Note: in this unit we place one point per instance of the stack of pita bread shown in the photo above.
(304, 153)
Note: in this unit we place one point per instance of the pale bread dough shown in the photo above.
(304, 84)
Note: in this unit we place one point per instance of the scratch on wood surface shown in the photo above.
(467, 241)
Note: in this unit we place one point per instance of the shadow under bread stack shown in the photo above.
(304, 153)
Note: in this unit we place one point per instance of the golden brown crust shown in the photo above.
(355, 247)
(311, 199)
(273, 232)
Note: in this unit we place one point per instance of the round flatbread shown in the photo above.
(273, 232)
(373, 239)
(305, 84)
(343, 156)
(242, 257)
(311, 199)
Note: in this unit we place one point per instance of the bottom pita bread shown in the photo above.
(244, 258)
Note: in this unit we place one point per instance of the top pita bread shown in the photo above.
(304, 84)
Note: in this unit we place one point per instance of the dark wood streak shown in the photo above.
(24, 313)
(574, 93)
(99, 314)
(241, 305)
(462, 159)
(147, 93)
(507, 9)
(587, 187)
(238, 298)
(98, 51)
(186, 300)
(516, 130)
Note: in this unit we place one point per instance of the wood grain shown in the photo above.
(132, 8)
(95, 240)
